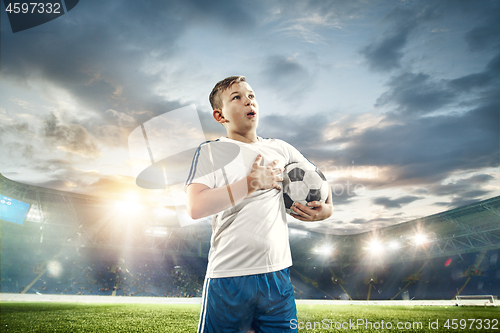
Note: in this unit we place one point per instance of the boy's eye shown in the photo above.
(236, 97)
(251, 96)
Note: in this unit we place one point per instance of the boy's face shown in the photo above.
(240, 111)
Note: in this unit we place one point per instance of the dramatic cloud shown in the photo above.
(15, 128)
(416, 93)
(427, 150)
(385, 54)
(463, 191)
(17, 150)
(394, 203)
(71, 138)
(304, 20)
(283, 68)
(483, 37)
(466, 198)
(287, 77)
(52, 165)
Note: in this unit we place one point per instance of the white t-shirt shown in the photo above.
(250, 237)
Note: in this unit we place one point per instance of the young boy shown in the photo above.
(236, 179)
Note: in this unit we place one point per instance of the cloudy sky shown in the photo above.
(396, 101)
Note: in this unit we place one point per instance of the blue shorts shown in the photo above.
(252, 303)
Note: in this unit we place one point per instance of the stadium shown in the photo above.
(68, 249)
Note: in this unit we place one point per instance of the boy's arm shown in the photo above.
(315, 210)
(204, 201)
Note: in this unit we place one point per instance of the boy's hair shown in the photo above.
(215, 95)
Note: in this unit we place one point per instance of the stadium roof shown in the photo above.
(100, 223)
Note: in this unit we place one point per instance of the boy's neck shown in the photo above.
(245, 138)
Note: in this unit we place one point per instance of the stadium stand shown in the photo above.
(78, 244)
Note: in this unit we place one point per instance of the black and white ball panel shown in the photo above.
(303, 183)
(296, 174)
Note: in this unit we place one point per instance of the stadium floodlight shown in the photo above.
(420, 239)
(156, 231)
(375, 247)
(34, 215)
(325, 249)
(128, 207)
(54, 268)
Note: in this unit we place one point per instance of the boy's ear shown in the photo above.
(218, 116)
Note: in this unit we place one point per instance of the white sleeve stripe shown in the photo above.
(194, 163)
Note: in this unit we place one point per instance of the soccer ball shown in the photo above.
(303, 183)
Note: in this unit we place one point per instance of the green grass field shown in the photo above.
(102, 318)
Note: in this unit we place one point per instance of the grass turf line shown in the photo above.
(103, 318)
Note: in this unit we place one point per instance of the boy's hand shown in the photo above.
(264, 177)
(314, 211)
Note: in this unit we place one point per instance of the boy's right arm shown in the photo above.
(204, 201)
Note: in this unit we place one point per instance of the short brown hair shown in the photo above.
(215, 95)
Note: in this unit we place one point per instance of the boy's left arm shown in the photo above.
(315, 210)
